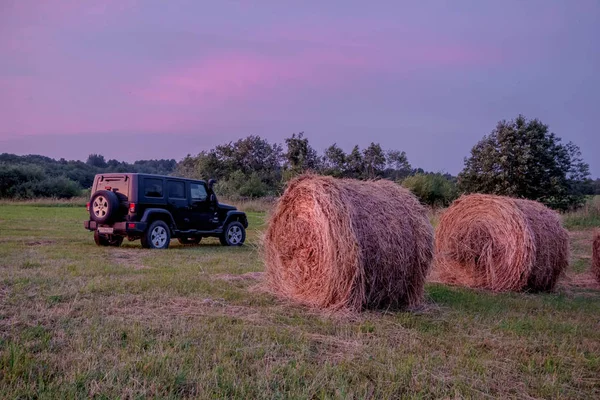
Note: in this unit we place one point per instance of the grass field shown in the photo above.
(79, 321)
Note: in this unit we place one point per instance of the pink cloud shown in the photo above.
(67, 97)
(32, 105)
(234, 77)
(242, 76)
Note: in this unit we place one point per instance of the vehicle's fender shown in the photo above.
(236, 215)
(149, 212)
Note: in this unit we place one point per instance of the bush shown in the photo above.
(12, 178)
(60, 188)
(432, 189)
(239, 185)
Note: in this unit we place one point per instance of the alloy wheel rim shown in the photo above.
(100, 207)
(234, 235)
(158, 236)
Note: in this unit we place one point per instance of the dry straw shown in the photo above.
(501, 244)
(596, 256)
(348, 244)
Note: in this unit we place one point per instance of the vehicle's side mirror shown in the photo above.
(213, 198)
(211, 182)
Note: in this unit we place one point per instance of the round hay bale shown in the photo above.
(596, 256)
(348, 244)
(500, 244)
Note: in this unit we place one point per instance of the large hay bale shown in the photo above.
(596, 256)
(348, 244)
(500, 244)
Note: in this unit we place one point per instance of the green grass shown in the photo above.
(587, 216)
(79, 321)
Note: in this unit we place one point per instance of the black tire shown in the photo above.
(233, 235)
(157, 236)
(104, 240)
(104, 206)
(191, 240)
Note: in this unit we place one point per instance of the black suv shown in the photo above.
(155, 208)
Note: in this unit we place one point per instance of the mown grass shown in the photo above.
(79, 321)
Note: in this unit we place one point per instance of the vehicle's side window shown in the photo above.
(198, 192)
(176, 190)
(153, 187)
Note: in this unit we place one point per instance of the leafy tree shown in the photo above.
(521, 158)
(334, 161)
(432, 189)
(96, 160)
(187, 167)
(160, 167)
(596, 187)
(374, 161)
(13, 178)
(247, 167)
(238, 185)
(300, 156)
(354, 164)
(251, 154)
(578, 176)
(397, 166)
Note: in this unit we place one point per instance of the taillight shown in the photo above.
(131, 225)
(87, 206)
(132, 207)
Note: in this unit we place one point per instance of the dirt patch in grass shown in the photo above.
(335, 349)
(128, 258)
(40, 243)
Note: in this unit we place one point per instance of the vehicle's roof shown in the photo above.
(111, 174)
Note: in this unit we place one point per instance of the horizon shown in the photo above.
(167, 80)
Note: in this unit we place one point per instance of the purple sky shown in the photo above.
(167, 78)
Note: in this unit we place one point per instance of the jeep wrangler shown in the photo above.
(156, 208)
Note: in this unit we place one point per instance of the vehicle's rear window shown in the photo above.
(176, 190)
(153, 187)
(120, 183)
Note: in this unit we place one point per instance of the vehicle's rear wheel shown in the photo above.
(233, 235)
(107, 240)
(104, 206)
(157, 236)
(191, 240)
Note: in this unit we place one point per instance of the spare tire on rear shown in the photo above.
(104, 206)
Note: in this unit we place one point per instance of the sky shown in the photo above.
(161, 79)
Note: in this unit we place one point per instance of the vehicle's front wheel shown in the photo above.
(192, 240)
(233, 235)
(104, 240)
(157, 236)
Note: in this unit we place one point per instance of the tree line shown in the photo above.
(33, 176)
(254, 167)
(519, 158)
